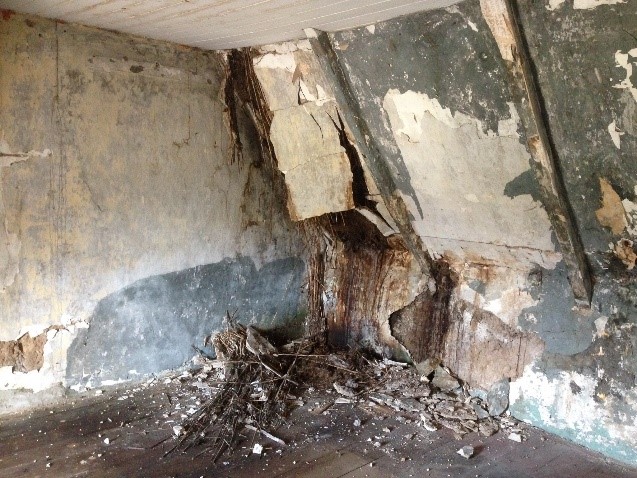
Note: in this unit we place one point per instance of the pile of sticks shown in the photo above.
(257, 389)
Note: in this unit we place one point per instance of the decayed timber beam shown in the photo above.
(350, 109)
(503, 20)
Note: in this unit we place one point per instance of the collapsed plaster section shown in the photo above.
(321, 164)
(366, 273)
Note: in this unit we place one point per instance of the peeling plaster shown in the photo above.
(589, 4)
(555, 4)
(52, 371)
(499, 290)
(630, 209)
(626, 61)
(626, 253)
(584, 417)
(276, 61)
(612, 213)
(615, 134)
(460, 169)
(286, 47)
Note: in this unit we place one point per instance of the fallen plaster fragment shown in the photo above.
(444, 380)
(588, 4)
(498, 397)
(612, 213)
(466, 452)
(371, 29)
(257, 449)
(515, 437)
(615, 134)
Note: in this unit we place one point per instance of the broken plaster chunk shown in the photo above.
(178, 430)
(488, 428)
(517, 437)
(427, 366)
(466, 451)
(429, 424)
(444, 380)
(498, 397)
(257, 449)
(344, 390)
(480, 412)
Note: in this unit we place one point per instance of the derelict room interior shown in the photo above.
(318, 238)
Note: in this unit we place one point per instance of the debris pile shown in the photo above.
(254, 390)
(254, 386)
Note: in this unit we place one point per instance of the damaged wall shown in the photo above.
(128, 239)
(584, 387)
(435, 92)
(130, 222)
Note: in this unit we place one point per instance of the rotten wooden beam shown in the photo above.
(350, 110)
(503, 20)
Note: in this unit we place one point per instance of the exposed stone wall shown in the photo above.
(134, 210)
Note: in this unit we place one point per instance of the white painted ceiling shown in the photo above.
(222, 24)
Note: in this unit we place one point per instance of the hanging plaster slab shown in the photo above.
(317, 170)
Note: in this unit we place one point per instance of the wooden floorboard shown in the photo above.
(138, 424)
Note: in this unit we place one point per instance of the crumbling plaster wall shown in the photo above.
(435, 93)
(130, 220)
(585, 53)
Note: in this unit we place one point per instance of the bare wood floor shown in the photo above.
(123, 434)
